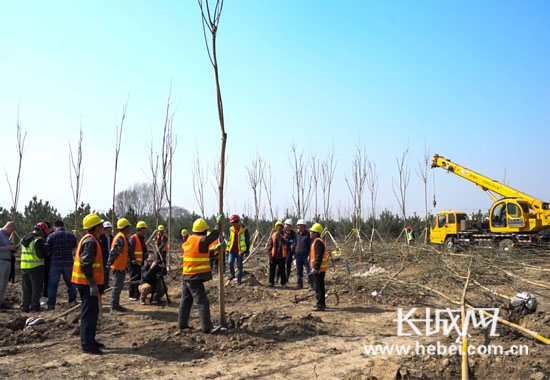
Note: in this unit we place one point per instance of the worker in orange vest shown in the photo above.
(118, 261)
(162, 242)
(278, 253)
(318, 264)
(88, 275)
(196, 270)
(136, 250)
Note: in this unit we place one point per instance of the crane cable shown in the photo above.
(433, 181)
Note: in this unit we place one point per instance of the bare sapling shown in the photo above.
(15, 191)
(199, 180)
(255, 174)
(210, 20)
(400, 186)
(118, 143)
(168, 147)
(267, 180)
(76, 174)
(156, 183)
(302, 191)
(356, 187)
(423, 172)
(372, 185)
(328, 167)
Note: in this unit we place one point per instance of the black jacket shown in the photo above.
(151, 275)
(291, 237)
(105, 246)
(302, 243)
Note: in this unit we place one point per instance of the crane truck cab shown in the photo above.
(445, 228)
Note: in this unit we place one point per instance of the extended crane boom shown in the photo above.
(487, 184)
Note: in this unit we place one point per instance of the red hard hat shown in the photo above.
(234, 218)
(43, 226)
(408, 228)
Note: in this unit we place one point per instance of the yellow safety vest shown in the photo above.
(29, 259)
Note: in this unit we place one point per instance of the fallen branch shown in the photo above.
(521, 278)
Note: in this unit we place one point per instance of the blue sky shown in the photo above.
(468, 79)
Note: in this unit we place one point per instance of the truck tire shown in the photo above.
(450, 245)
(506, 245)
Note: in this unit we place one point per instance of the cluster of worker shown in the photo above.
(86, 265)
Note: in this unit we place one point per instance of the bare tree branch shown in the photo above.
(117, 152)
(20, 151)
(76, 167)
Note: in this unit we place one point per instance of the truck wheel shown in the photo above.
(449, 245)
(506, 245)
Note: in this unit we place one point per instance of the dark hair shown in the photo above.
(58, 223)
(48, 224)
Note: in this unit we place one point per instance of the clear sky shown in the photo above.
(469, 79)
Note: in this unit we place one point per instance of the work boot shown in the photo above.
(213, 330)
(298, 287)
(92, 350)
(118, 309)
(142, 301)
(99, 344)
(318, 308)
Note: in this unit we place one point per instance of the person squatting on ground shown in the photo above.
(289, 235)
(6, 249)
(136, 249)
(88, 276)
(196, 270)
(118, 261)
(151, 279)
(162, 242)
(319, 265)
(278, 252)
(33, 253)
(105, 240)
(60, 246)
(238, 245)
(302, 244)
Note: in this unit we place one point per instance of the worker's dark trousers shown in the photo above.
(194, 291)
(135, 276)
(32, 281)
(288, 264)
(118, 284)
(47, 265)
(277, 265)
(319, 285)
(88, 320)
(302, 263)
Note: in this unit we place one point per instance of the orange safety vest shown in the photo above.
(324, 264)
(138, 249)
(78, 276)
(122, 259)
(163, 247)
(195, 262)
(284, 247)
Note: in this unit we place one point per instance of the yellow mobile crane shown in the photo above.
(516, 219)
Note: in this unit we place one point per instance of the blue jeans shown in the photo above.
(53, 282)
(302, 263)
(232, 257)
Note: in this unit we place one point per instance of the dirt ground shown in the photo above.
(273, 334)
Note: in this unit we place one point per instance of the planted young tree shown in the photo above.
(210, 21)
(76, 175)
(315, 178)
(423, 171)
(372, 184)
(255, 177)
(267, 181)
(400, 186)
(199, 181)
(156, 183)
(168, 148)
(302, 192)
(118, 142)
(328, 167)
(356, 187)
(15, 191)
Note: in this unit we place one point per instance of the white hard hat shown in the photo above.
(301, 221)
(107, 225)
(288, 221)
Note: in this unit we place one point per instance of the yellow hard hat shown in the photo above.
(183, 232)
(279, 223)
(160, 228)
(141, 224)
(121, 223)
(91, 221)
(200, 225)
(316, 228)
